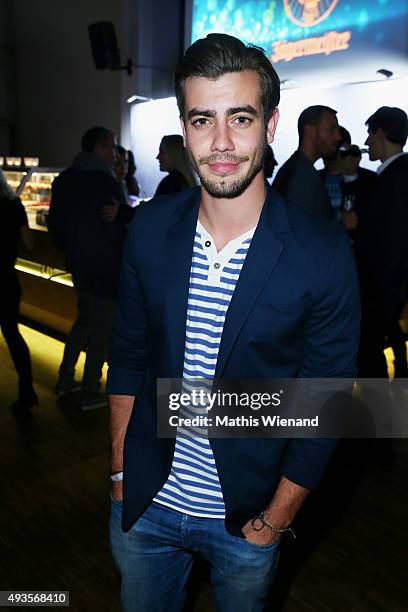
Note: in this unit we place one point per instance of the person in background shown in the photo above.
(91, 237)
(297, 179)
(14, 228)
(121, 168)
(332, 174)
(110, 211)
(130, 179)
(173, 159)
(382, 250)
(349, 186)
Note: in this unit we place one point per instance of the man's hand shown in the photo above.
(264, 537)
(117, 490)
(280, 513)
(110, 211)
(350, 220)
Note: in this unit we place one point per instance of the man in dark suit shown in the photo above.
(92, 249)
(298, 180)
(224, 281)
(382, 248)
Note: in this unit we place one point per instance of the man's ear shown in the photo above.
(380, 135)
(310, 131)
(183, 127)
(271, 127)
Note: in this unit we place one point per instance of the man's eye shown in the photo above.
(242, 121)
(200, 122)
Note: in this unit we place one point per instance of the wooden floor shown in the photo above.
(351, 554)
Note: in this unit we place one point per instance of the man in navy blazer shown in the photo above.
(224, 281)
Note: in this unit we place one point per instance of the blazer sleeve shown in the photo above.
(128, 349)
(332, 335)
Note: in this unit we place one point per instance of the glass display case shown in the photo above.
(36, 196)
(48, 297)
(16, 179)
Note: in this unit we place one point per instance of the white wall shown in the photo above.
(354, 104)
(149, 122)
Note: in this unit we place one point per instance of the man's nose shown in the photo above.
(222, 138)
(367, 139)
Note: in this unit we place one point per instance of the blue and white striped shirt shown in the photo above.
(193, 485)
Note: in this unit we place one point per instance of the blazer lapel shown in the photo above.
(179, 249)
(262, 257)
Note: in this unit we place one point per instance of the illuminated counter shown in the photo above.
(48, 296)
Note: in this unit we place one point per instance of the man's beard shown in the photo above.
(224, 189)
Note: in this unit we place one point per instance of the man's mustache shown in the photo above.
(213, 159)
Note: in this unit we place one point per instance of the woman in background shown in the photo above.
(173, 159)
(130, 179)
(14, 228)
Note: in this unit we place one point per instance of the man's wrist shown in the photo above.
(261, 521)
(280, 519)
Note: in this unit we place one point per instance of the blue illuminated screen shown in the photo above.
(292, 29)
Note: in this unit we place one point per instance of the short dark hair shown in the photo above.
(93, 136)
(345, 136)
(218, 54)
(312, 115)
(121, 150)
(392, 121)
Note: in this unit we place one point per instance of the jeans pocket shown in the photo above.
(266, 547)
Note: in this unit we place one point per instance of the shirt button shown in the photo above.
(217, 266)
(207, 243)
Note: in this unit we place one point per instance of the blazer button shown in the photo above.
(217, 266)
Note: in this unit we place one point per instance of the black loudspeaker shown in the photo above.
(105, 50)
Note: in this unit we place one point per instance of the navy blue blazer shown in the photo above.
(294, 313)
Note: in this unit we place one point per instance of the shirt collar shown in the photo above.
(388, 161)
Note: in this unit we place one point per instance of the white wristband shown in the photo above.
(117, 477)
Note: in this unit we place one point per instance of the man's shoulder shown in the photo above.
(291, 162)
(399, 165)
(299, 166)
(395, 174)
(76, 175)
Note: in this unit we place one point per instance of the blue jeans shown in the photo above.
(155, 559)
